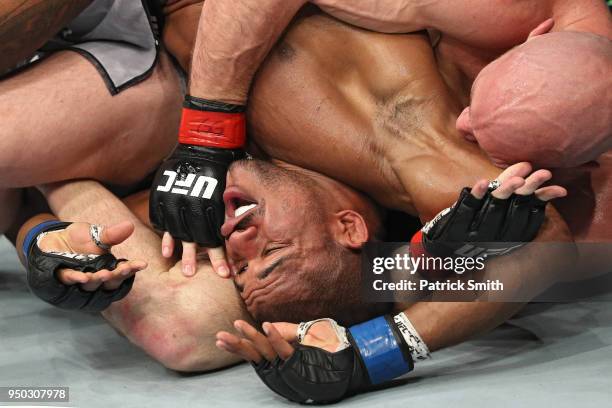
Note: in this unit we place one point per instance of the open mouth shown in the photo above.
(238, 206)
(243, 209)
(237, 203)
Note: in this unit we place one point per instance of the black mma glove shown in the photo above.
(187, 193)
(374, 352)
(42, 268)
(481, 227)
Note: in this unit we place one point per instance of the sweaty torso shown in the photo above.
(366, 108)
(374, 111)
(358, 106)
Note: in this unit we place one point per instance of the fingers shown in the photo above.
(259, 341)
(550, 193)
(235, 345)
(518, 185)
(278, 343)
(508, 187)
(480, 188)
(516, 170)
(189, 258)
(96, 280)
(218, 261)
(110, 279)
(125, 270)
(534, 181)
(255, 345)
(71, 277)
(167, 245)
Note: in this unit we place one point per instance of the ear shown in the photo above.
(543, 28)
(350, 229)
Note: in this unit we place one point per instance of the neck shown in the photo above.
(435, 139)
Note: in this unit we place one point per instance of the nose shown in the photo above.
(464, 125)
(243, 243)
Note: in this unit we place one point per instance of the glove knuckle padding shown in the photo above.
(455, 225)
(313, 375)
(213, 227)
(270, 375)
(194, 186)
(43, 281)
(156, 213)
(490, 219)
(488, 224)
(318, 374)
(535, 214)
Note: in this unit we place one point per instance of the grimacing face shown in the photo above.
(277, 238)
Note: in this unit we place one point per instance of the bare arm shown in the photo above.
(232, 41)
(25, 25)
(525, 273)
(171, 317)
(491, 24)
(234, 37)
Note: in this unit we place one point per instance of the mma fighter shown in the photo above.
(223, 66)
(527, 99)
(390, 115)
(86, 91)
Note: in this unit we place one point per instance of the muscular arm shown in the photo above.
(25, 25)
(525, 272)
(233, 39)
(491, 24)
(173, 318)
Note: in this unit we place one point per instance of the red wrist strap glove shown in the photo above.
(212, 129)
(209, 123)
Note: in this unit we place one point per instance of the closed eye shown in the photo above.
(272, 249)
(242, 269)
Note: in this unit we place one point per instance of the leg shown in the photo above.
(60, 122)
(171, 317)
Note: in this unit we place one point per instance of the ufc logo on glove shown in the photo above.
(184, 187)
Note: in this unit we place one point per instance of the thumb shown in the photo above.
(288, 331)
(79, 237)
(116, 234)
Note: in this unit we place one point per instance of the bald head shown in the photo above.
(547, 101)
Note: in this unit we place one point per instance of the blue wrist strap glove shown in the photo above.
(382, 349)
(42, 277)
(36, 231)
(377, 353)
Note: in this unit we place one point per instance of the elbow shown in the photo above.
(178, 349)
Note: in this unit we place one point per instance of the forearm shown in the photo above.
(232, 41)
(89, 201)
(172, 318)
(25, 25)
(525, 273)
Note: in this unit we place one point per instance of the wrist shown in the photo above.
(26, 228)
(382, 349)
(211, 123)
